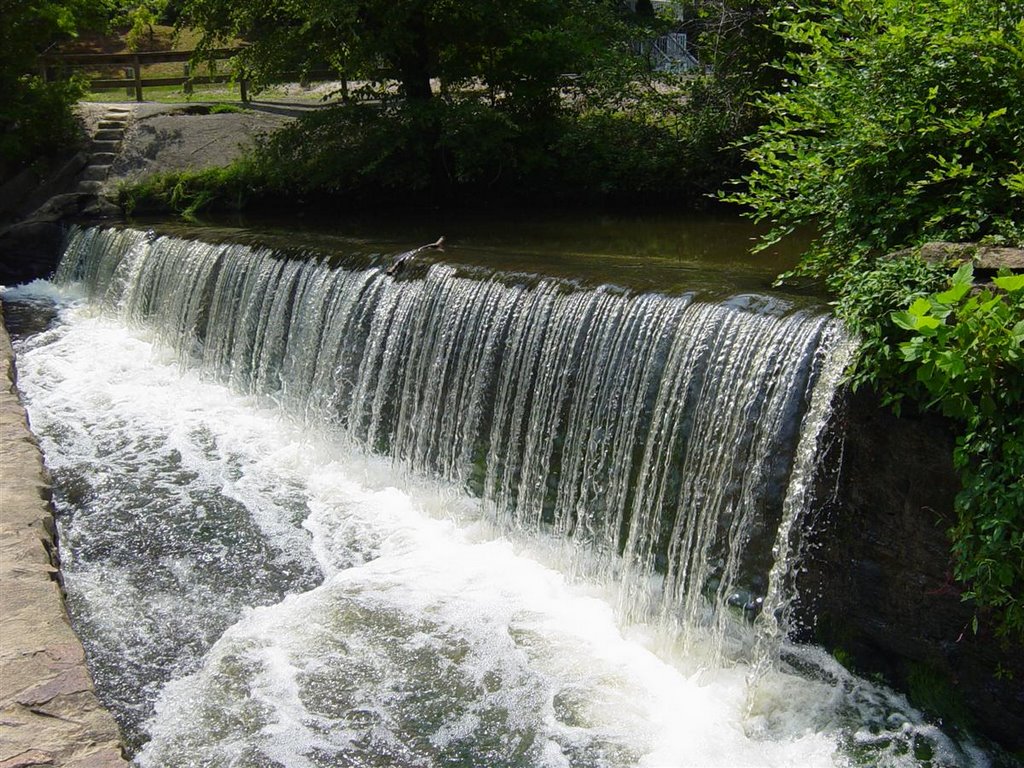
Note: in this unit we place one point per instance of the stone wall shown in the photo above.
(879, 587)
(48, 709)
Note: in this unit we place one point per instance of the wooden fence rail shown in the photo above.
(55, 66)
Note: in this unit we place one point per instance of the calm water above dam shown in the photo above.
(478, 515)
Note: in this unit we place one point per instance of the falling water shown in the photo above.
(656, 448)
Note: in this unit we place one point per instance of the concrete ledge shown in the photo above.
(49, 713)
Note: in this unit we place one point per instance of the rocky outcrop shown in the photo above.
(878, 583)
(31, 188)
(49, 712)
(187, 139)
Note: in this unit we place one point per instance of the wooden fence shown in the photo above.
(54, 66)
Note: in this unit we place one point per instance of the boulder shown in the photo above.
(34, 186)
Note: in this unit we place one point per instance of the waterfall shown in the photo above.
(658, 430)
(314, 515)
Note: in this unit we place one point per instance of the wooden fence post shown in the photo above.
(138, 77)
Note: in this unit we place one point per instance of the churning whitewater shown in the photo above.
(311, 515)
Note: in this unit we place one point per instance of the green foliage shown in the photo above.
(139, 16)
(36, 117)
(934, 692)
(939, 344)
(459, 152)
(189, 192)
(619, 156)
(226, 109)
(963, 354)
(715, 106)
(899, 123)
(868, 295)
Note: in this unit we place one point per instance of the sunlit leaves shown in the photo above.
(901, 123)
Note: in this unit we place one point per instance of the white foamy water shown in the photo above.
(255, 592)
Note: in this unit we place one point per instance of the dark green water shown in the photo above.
(707, 254)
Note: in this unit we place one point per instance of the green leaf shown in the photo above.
(914, 322)
(1010, 283)
(920, 307)
(953, 295)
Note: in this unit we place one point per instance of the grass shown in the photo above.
(224, 92)
(164, 38)
(170, 94)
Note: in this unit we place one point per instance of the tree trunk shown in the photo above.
(414, 61)
(416, 83)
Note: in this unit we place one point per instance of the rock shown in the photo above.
(31, 188)
(986, 258)
(177, 140)
(993, 259)
(63, 206)
(101, 208)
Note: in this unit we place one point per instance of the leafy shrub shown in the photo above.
(868, 295)
(900, 123)
(189, 192)
(963, 354)
(454, 151)
(36, 119)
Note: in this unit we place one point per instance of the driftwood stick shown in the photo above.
(399, 263)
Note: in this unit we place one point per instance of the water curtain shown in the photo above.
(675, 437)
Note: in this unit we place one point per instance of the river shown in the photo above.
(497, 511)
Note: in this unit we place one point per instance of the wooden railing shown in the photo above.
(54, 66)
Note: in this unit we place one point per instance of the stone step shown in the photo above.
(104, 146)
(95, 173)
(126, 110)
(102, 158)
(90, 185)
(109, 134)
(108, 123)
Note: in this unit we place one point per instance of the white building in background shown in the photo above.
(670, 52)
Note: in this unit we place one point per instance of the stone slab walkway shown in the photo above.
(49, 714)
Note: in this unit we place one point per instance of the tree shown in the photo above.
(520, 49)
(36, 116)
(139, 16)
(899, 123)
